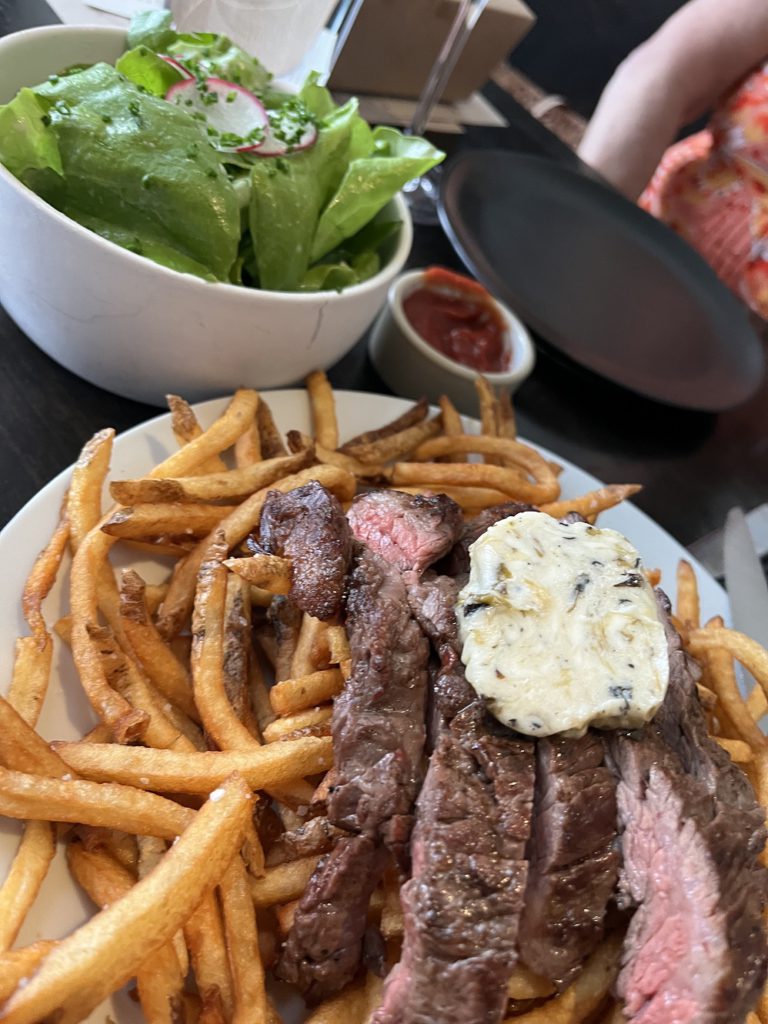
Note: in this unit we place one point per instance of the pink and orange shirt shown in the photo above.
(712, 189)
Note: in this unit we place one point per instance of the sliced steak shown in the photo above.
(410, 531)
(456, 564)
(462, 905)
(378, 720)
(308, 526)
(325, 944)
(574, 857)
(695, 950)
(318, 835)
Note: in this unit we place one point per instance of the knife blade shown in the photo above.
(744, 579)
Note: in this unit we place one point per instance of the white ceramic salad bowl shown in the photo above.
(137, 328)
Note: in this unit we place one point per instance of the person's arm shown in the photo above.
(673, 78)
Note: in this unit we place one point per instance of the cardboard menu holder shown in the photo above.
(394, 43)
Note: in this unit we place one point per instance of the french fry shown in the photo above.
(270, 572)
(106, 951)
(42, 577)
(738, 751)
(417, 412)
(292, 695)
(166, 771)
(204, 933)
(269, 436)
(186, 428)
(22, 884)
(349, 1007)
(323, 407)
(593, 503)
(511, 483)
(524, 984)
(242, 938)
(298, 442)
(248, 446)
(178, 602)
(283, 883)
(488, 415)
(118, 845)
(286, 620)
(160, 980)
(89, 803)
(208, 679)
(31, 672)
(16, 964)
(312, 718)
(164, 670)
(587, 992)
(393, 446)
(687, 596)
(237, 645)
(22, 749)
(452, 423)
(83, 509)
(150, 851)
(749, 652)
(721, 673)
(469, 498)
(304, 660)
(125, 678)
(168, 519)
(757, 703)
(513, 454)
(507, 425)
(227, 485)
(338, 644)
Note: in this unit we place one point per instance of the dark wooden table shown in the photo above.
(694, 467)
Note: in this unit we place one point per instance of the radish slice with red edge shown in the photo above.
(176, 64)
(291, 129)
(235, 119)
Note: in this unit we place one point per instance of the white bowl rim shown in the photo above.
(393, 264)
(523, 351)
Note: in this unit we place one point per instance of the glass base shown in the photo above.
(421, 195)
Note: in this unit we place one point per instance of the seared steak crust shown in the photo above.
(410, 531)
(308, 526)
(692, 835)
(378, 720)
(574, 857)
(457, 561)
(462, 905)
(325, 943)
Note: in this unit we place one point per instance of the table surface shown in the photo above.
(693, 466)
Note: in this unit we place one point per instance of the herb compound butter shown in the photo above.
(560, 628)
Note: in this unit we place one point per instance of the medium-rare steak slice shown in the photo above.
(325, 944)
(410, 531)
(574, 857)
(308, 526)
(378, 720)
(695, 950)
(462, 905)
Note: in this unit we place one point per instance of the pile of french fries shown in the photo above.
(212, 701)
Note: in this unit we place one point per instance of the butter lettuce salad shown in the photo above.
(187, 153)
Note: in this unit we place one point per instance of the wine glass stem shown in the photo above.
(466, 18)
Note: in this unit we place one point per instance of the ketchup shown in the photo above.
(458, 317)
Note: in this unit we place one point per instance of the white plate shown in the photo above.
(60, 907)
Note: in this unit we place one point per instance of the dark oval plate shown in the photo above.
(600, 280)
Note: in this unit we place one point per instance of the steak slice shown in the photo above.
(574, 857)
(378, 720)
(456, 563)
(410, 531)
(308, 526)
(695, 950)
(462, 906)
(324, 947)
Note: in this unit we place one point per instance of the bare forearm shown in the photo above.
(674, 77)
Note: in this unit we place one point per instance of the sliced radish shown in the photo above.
(184, 71)
(272, 146)
(236, 119)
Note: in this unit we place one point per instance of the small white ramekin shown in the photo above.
(412, 367)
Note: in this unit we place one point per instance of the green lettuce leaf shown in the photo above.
(287, 196)
(151, 29)
(370, 182)
(144, 68)
(140, 165)
(27, 140)
(215, 56)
